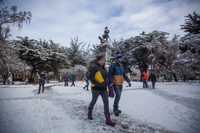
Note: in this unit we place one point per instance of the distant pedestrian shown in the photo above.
(116, 76)
(144, 77)
(26, 80)
(152, 78)
(42, 78)
(147, 77)
(66, 77)
(86, 78)
(73, 78)
(99, 80)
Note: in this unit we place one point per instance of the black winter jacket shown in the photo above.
(152, 78)
(104, 73)
(42, 79)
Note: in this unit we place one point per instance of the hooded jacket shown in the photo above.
(117, 73)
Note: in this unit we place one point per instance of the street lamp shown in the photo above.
(24, 65)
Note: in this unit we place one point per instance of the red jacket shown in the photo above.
(145, 76)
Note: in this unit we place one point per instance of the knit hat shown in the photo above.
(119, 56)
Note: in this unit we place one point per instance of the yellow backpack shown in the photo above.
(98, 78)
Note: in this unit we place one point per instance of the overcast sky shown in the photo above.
(61, 20)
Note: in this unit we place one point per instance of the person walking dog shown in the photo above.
(116, 78)
(99, 80)
(42, 78)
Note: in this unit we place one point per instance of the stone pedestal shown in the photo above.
(106, 50)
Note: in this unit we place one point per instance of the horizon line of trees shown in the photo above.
(177, 57)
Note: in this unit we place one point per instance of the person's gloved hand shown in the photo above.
(129, 83)
(111, 85)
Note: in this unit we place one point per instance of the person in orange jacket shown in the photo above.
(144, 78)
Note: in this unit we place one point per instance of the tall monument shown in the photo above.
(105, 48)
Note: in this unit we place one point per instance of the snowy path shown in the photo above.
(76, 111)
(63, 109)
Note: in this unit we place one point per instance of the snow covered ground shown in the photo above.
(171, 107)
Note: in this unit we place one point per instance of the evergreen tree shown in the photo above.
(41, 55)
(192, 24)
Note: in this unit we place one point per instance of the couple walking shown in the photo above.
(146, 78)
(100, 79)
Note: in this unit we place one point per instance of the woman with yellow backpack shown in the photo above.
(99, 81)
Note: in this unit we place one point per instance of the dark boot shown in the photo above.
(87, 89)
(119, 111)
(116, 112)
(108, 120)
(84, 87)
(90, 114)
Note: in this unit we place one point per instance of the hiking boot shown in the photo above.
(90, 114)
(87, 89)
(119, 111)
(116, 112)
(108, 120)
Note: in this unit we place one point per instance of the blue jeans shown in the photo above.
(87, 82)
(118, 91)
(144, 83)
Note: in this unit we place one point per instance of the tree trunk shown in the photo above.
(31, 74)
(35, 77)
(5, 77)
(184, 78)
(56, 75)
(140, 73)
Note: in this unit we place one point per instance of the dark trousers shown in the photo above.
(104, 95)
(73, 83)
(66, 83)
(153, 84)
(40, 88)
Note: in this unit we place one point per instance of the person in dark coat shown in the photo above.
(116, 78)
(99, 81)
(42, 78)
(66, 77)
(152, 78)
(73, 78)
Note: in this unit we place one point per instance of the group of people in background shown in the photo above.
(68, 78)
(146, 78)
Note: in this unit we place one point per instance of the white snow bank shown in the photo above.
(34, 115)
